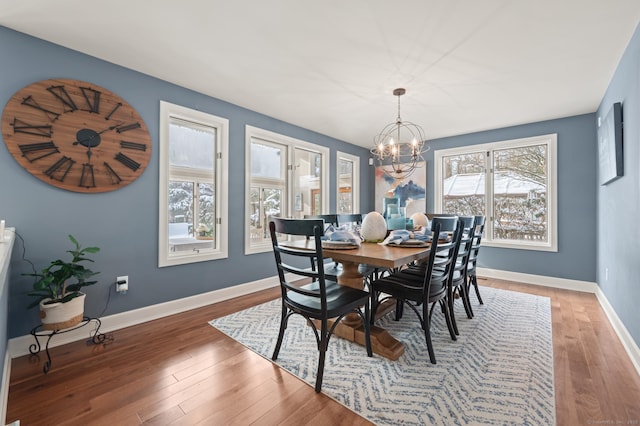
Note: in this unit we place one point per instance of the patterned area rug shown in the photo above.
(499, 371)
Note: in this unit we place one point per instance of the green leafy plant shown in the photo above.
(51, 282)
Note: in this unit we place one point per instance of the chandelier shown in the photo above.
(400, 145)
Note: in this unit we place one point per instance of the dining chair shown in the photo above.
(329, 219)
(320, 300)
(457, 281)
(331, 271)
(369, 272)
(430, 215)
(349, 218)
(422, 291)
(471, 278)
(458, 285)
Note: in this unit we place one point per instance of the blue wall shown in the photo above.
(619, 202)
(577, 153)
(124, 223)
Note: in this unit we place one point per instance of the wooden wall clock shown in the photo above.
(76, 136)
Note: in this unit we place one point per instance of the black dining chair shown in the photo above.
(471, 278)
(458, 286)
(329, 219)
(426, 284)
(346, 218)
(331, 271)
(320, 300)
(369, 272)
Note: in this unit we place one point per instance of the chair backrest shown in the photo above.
(478, 226)
(350, 218)
(443, 254)
(287, 257)
(466, 244)
(432, 215)
(329, 219)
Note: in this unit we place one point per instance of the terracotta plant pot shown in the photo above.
(58, 316)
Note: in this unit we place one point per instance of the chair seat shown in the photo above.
(338, 296)
(406, 285)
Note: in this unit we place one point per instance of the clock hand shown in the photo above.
(110, 128)
(96, 134)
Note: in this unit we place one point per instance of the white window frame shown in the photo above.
(355, 188)
(551, 141)
(220, 249)
(288, 204)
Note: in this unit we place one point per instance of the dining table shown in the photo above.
(373, 254)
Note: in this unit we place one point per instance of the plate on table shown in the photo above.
(339, 245)
(412, 243)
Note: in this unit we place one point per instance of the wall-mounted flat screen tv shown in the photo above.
(610, 146)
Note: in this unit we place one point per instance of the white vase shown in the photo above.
(374, 227)
(420, 219)
(57, 316)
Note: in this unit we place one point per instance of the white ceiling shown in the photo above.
(331, 65)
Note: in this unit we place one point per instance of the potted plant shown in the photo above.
(61, 302)
(204, 232)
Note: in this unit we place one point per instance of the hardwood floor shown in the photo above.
(180, 370)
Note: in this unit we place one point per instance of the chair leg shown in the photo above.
(464, 295)
(367, 330)
(283, 326)
(374, 306)
(324, 337)
(426, 325)
(399, 309)
(450, 301)
(474, 279)
(447, 317)
(467, 291)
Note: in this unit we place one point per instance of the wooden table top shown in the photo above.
(386, 256)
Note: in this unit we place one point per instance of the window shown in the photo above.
(286, 177)
(512, 183)
(193, 186)
(348, 170)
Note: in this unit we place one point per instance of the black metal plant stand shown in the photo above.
(96, 338)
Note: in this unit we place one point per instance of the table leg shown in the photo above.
(350, 328)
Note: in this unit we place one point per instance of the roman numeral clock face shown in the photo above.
(76, 135)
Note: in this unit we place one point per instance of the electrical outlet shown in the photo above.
(606, 274)
(122, 284)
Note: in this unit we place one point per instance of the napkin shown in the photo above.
(396, 237)
(341, 234)
(424, 234)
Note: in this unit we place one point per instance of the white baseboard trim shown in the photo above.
(19, 346)
(4, 387)
(562, 283)
(630, 346)
(627, 341)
